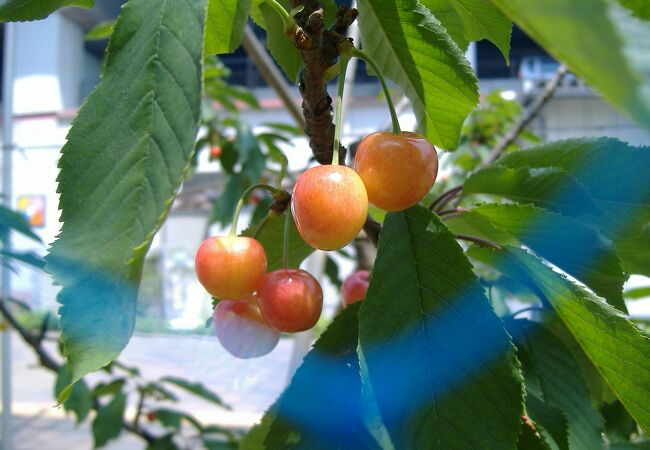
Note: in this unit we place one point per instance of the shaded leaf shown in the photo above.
(328, 378)
(594, 180)
(615, 346)
(127, 153)
(529, 438)
(426, 318)
(572, 246)
(561, 382)
(26, 10)
(412, 49)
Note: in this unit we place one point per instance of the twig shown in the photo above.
(46, 360)
(479, 241)
(372, 230)
(444, 198)
(138, 411)
(44, 357)
(533, 111)
(271, 74)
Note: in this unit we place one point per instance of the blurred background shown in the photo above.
(54, 67)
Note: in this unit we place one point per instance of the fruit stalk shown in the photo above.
(285, 240)
(343, 66)
(242, 200)
(391, 107)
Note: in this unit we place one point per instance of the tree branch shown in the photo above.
(318, 47)
(533, 111)
(46, 360)
(270, 72)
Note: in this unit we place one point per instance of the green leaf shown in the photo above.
(593, 180)
(11, 220)
(101, 31)
(412, 49)
(271, 238)
(27, 10)
(172, 418)
(127, 153)
(575, 248)
(197, 389)
(561, 382)
(551, 422)
(329, 381)
(530, 439)
(29, 258)
(279, 44)
(109, 420)
(111, 388)
(442, 367)
(224, 25)
(474, 20)
(163, 443)
(615, 346)
(598, 40)
(640, 8)
(637, 293)
(80, 401)
(444, 11)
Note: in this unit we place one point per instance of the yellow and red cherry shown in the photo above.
(355, 287)
(242, 330)
(230, 266)
(330, 206)
(398, 170)
(291, 300)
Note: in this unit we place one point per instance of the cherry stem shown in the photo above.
(289, 25)
(343, 66)
(285, 239)
(366, 57)
(242, 200)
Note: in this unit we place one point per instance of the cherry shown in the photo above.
(398, 170)
(290, 299)
(230, 266)
(330, 206)
(215, 152)
(242, 330)
(355, 287)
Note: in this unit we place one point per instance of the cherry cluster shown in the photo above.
(255, 306)
(393, 171)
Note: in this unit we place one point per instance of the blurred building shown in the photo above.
(55, 69)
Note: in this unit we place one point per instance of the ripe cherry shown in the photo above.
(330, 206)
(397, 170)
(215, 152)
(230, 266)
(290, 299)
(355, 287)
(242, 330)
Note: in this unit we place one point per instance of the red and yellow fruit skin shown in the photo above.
(355, 287)
(330, 206)
(242, 330)
(397, 170)
(291, 300)
(230, 266)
